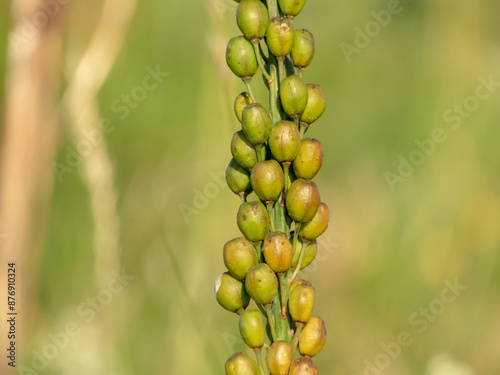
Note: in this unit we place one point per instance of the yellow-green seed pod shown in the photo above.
(284, 141)
(279, 37)
(301, 301)
(291, 8)
(313, 337)
(302, 200)
(240, 103)
(238, 178)
(252, 19)
(243, 151)
(317, 226)
(309, 159)
(252, 329)
(302, 49)
(239, 255)
(231, 293)
(241, 364)
(309, 255)
(253, 220)
(279, 358)
(267, 180)
(256, 123)
(303, 366)
(293, 94)
(278, 252)
(261, 283)
(316, 104)
(240, 57)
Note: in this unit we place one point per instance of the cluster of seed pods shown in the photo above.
(281, 214)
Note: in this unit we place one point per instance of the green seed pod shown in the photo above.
(302, 200)
(240, 103)
(279, 37)
(313, 337)
(261, 283)
(241, 364)
(252, 19)
(252, 329)
(302, 49)
(231, 293)
(309, 253)
(253, 220)
(309, 160)
(240, 57)
(279, 358)
(293, 94)
(284, 141)
(317, 226)
(291, 8)
(278, 252)
(303, 366)
(301, 301)
(239, 255)
(267, 180)
(243, 151)
(238, 179)
(316, 104)
(256, 123)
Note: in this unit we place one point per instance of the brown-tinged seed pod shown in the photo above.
(303, 366)
(291, 8)
(243, 151)
(252, 329)
(256, 123)
(316, 104)
(238, 178)
(302, 49)
(302, 200)
(231, 293)
(240, 103)
(309, 159)
(301, 301)
(313, 337)
(261, 283)
(240, 57)
(317, 225)
(279, 37)
(267, 180)
(284, 141)
(252, 19)
(279, 358)
(293, 95)
(278, 252)
(241, 364)
(239, 255)
(253, 220)
(309, 253)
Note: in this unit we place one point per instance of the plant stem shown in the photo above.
(272, 322)
(273, 9)
(271, 215)
(260, 60)
(248, 84)
(243, 198)
(282, 71)
(281, 277)
(296, 337)
(258, 248)
(301, 72)
(259, 153)
(286, 169)
(258, 355)
(301, 258)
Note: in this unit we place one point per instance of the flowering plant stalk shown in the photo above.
(280, 225)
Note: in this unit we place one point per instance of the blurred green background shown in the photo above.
(388, 251)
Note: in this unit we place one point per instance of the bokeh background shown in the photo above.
(147, 197)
